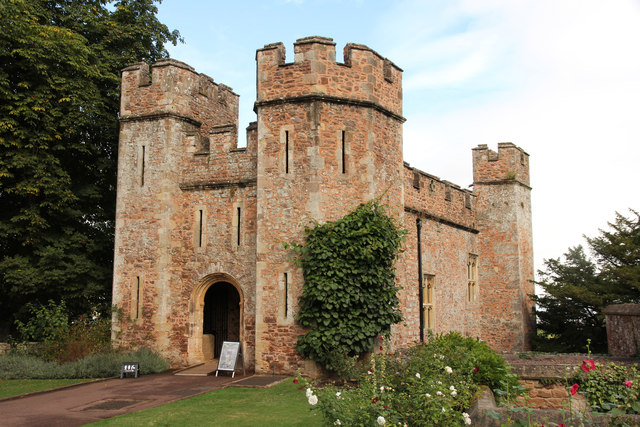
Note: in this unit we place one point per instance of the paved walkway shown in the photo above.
(86, 403)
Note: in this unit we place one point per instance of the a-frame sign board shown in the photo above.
(229, 357)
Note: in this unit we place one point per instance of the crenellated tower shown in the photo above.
(505, 245)
(329, 138)
(185, 210)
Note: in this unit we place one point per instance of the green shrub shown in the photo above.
(61, 340)
(428, 384)
(46, 322)
(472, 355)
(98, 365)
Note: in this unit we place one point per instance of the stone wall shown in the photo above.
(623, 329)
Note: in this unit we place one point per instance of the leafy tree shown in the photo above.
(578, 288)
(350, 295)
(59, 102)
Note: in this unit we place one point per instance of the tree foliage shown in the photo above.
(350, 294)
(59, 102)
(578, 288)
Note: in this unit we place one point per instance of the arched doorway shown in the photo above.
(216, 288)
(220, 318)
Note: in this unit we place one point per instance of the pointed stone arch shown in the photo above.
(196, 313)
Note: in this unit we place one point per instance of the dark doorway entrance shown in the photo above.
(221, 314)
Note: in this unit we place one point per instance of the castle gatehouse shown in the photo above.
(200, 221)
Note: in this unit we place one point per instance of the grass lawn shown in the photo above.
(15, 387)
(284, 404)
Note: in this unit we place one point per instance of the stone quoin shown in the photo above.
(200, 222)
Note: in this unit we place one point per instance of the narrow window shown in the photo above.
(142, 167)
(239, 212)
(344, 153)
(286, 151)
(428, 309)
(286, 295)
(200, 228)
(135, 304)
(472, 275)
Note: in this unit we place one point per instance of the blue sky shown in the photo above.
(559, 78)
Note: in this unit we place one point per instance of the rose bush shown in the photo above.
(609, 388)
(429, 384)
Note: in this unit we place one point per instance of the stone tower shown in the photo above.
(329, 138)
(501, 183)
(185, 217)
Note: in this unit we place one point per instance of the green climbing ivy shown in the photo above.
(349, 295)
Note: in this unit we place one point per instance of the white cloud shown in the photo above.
(559, 79)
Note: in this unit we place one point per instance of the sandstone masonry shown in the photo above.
(200, 222)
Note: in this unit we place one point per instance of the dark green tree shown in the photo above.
(349, 296)
(577, 288)
(59, 102)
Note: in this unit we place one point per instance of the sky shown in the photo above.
(559, 78)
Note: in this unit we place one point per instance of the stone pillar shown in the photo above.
(623, 329)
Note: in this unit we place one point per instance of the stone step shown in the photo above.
(202, 369)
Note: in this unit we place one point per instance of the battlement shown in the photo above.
(365, 76)
(509, 164)
(176, 89)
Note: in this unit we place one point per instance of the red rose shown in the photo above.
(380, 348)
(374, 400)
(574, 389)
(295, 381)
(628, 383)
(476, 369)
(386, 406)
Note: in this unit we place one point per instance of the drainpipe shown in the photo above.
(420, 289)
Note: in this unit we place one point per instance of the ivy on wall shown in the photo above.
(349, 295)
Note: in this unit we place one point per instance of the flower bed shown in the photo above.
(430, 384)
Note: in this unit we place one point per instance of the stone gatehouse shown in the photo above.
(200, 222)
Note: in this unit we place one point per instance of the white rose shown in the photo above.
(338, 394)
(448, 370)
(452, 388)
(381, 420)
(337, 423)
(309, 393)
(428, 395)
(467, 418)
(313, 399)
(418, 375)
(454, 393)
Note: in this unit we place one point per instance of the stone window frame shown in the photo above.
(142, 156)
(238, 225)
(429, 305)
(343, 152)
(137, 298)
(285, 287)
(200, 228)
(472, 279)
(286, 150)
